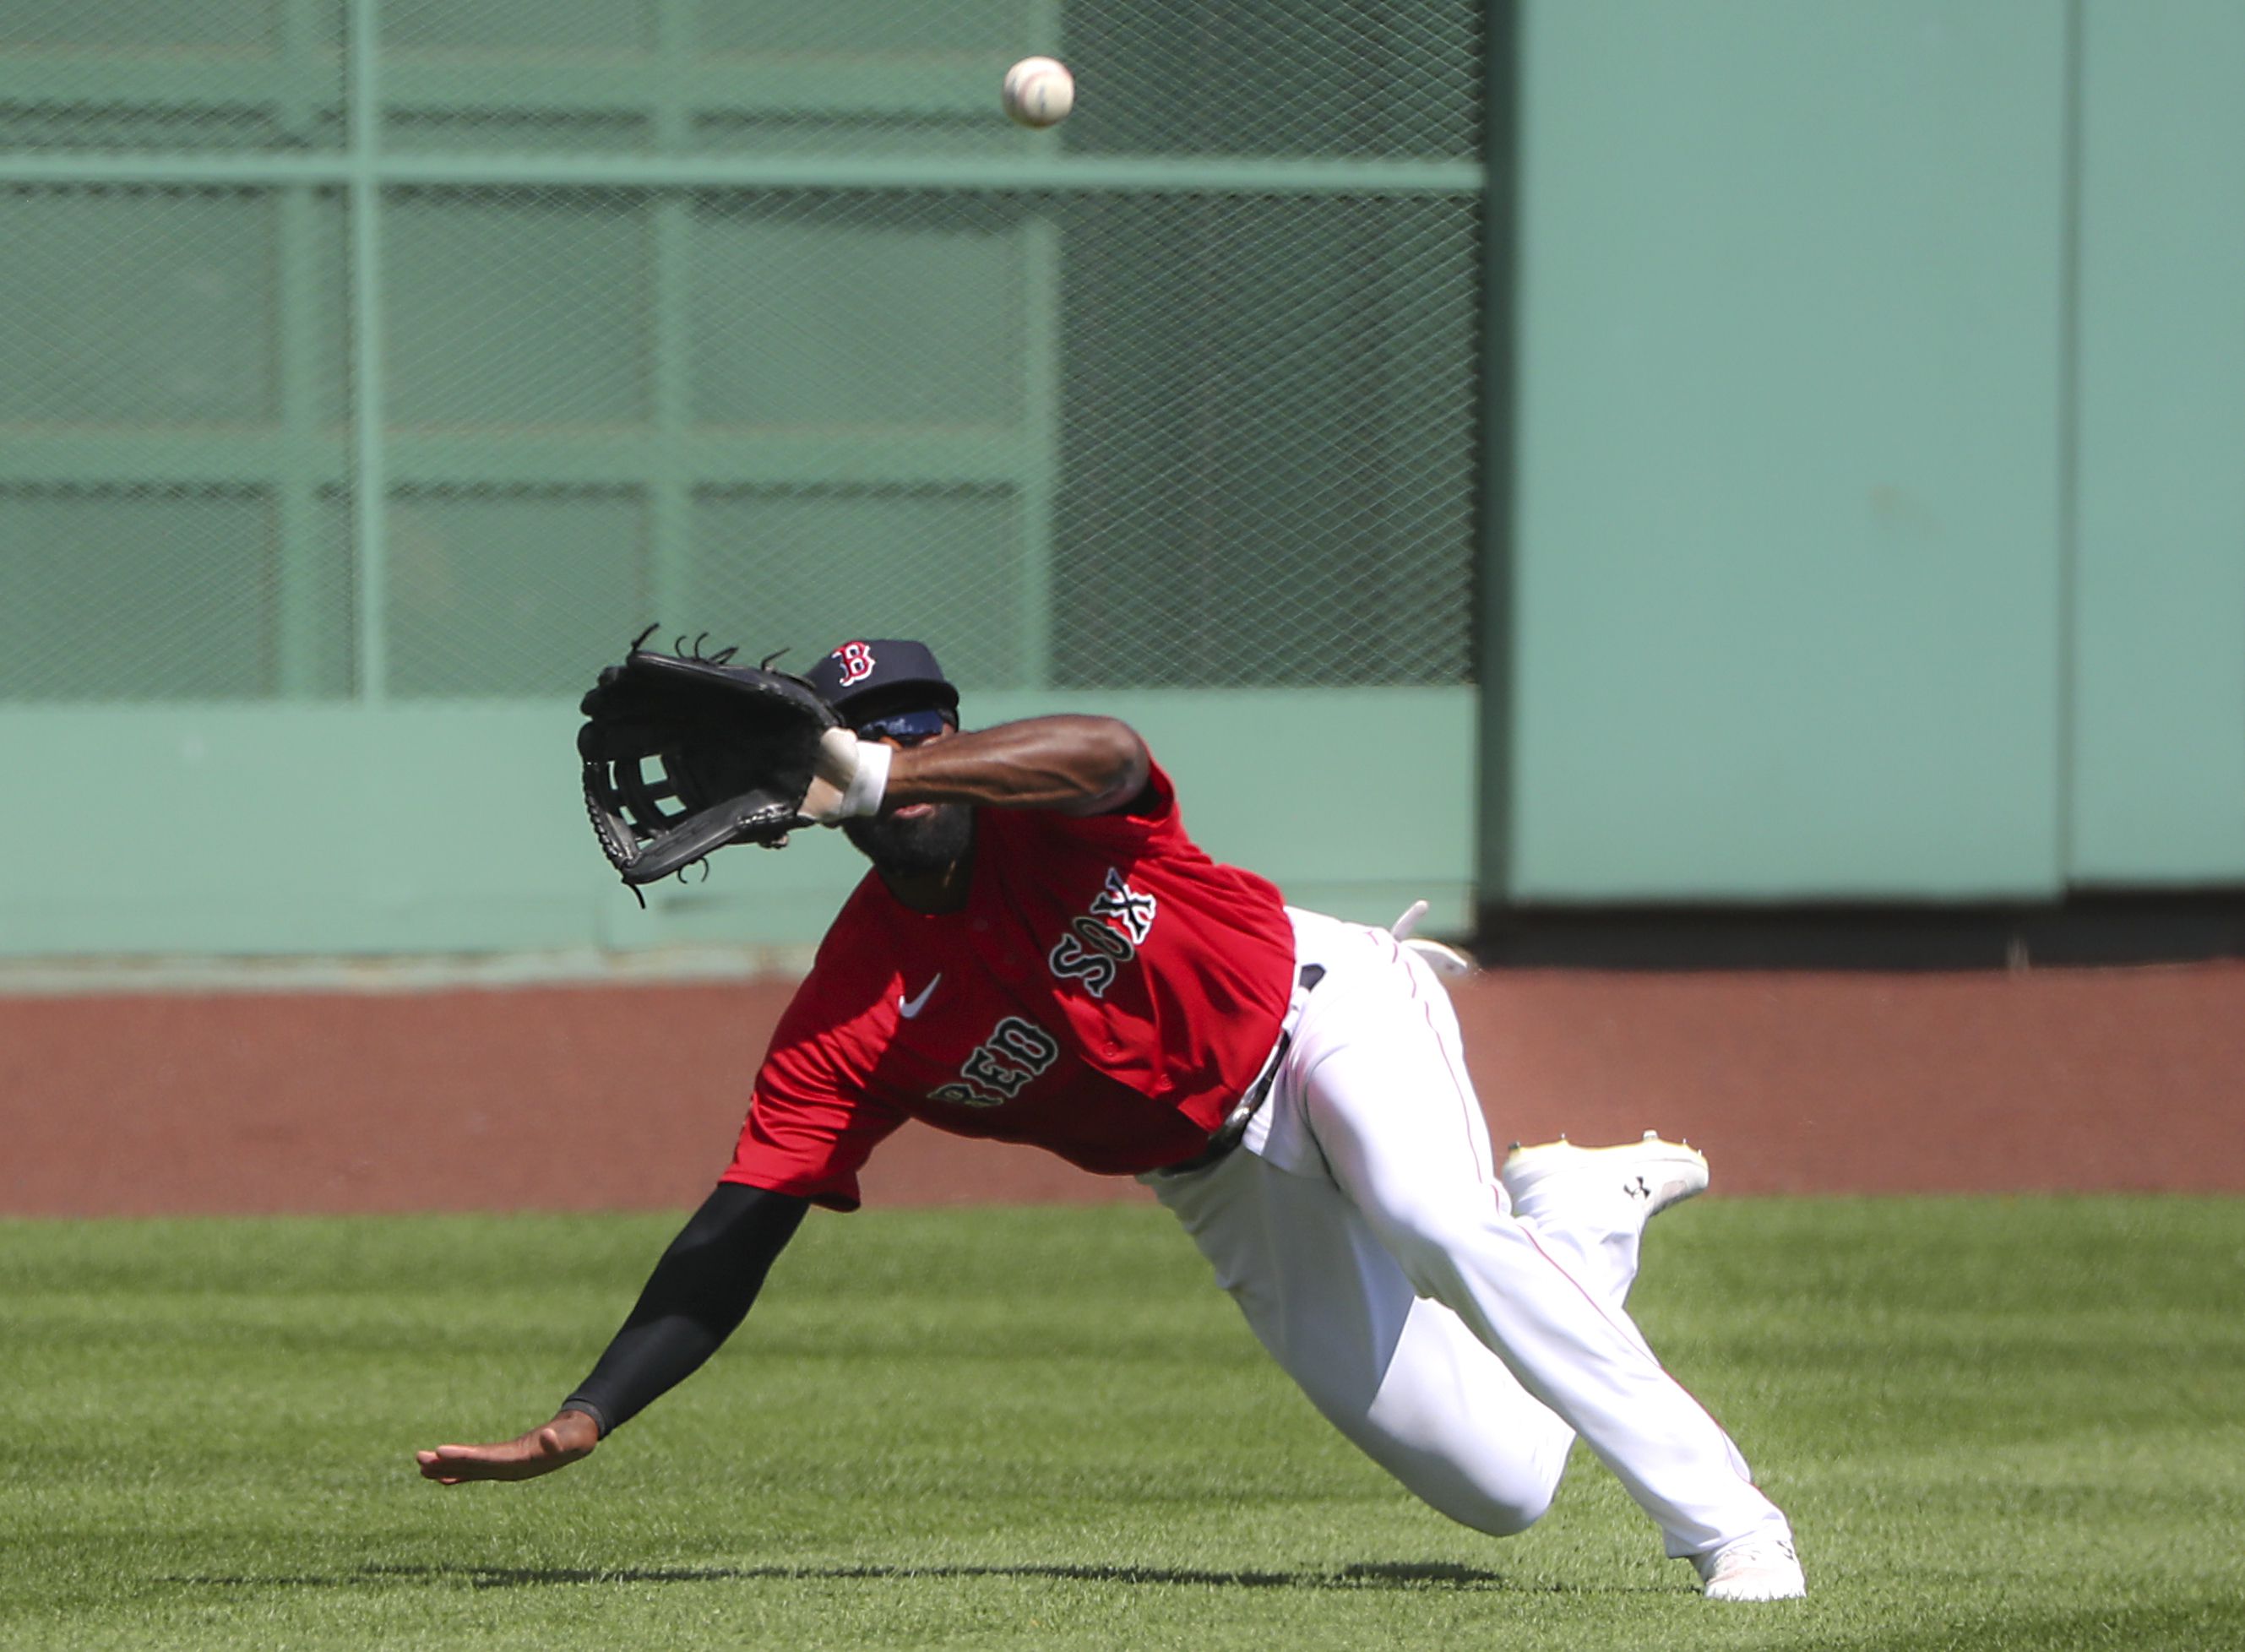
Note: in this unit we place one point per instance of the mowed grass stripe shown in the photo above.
(1998, 1423)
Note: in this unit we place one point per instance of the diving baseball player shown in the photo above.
(1041, 954)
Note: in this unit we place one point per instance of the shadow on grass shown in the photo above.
(1384, 1574)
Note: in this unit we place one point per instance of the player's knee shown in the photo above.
(1496, 1510)
(1510, 1516)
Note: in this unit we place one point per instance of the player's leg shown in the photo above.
(1401, 1376)
(1377, 1077)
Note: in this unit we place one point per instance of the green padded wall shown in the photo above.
(457, 826)
(376, 368)
(2158, 791)
(1785, 606)
(373, 368)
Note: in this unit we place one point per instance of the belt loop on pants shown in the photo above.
(1227, 1135)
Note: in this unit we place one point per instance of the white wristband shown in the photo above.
(863, 795)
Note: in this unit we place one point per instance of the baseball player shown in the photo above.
(1041, 954)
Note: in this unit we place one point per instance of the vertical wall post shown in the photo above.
(1041, 402)
(309, 638)
(670, 470)
(2069, 435)
(1493, 568)
(305, 642)
(370, 491)
(1043, 395)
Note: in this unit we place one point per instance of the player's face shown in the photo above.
(918, 839)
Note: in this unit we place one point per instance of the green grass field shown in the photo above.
(1997, 1423)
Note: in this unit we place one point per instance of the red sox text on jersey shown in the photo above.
(1107, 992)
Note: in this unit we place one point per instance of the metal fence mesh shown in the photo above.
(754, 318)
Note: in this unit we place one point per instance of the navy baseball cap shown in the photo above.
(875, 676)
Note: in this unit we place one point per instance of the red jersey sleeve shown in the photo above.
(810, 1129)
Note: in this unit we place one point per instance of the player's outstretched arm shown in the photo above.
(1074, 765)
(696, 1298)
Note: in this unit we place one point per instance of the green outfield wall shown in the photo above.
(2155, 685)
(1544, 453)
(1881, 466)
(377, 369)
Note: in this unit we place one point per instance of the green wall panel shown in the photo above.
(110, 594)
(910, 313)
(137, 307)
(520, 28)
(1787, 610)
(140, 24)
(275, 829)
(1338, 483)
(807, 568)
(511, 592)
(503, 310)
(933, 27)
(2158, 791)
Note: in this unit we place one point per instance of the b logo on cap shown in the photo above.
(856, 662)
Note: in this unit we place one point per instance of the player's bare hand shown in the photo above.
(569, 1437)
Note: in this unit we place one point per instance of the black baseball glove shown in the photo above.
(685, 754)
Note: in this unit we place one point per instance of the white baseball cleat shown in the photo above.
(1752, 1568)
(1651, 1174)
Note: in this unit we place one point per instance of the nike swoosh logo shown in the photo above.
(912, 1006)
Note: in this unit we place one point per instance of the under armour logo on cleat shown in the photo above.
(1638, 1188)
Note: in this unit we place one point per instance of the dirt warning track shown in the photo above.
(587, 1097)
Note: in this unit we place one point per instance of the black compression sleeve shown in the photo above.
(695, 1298)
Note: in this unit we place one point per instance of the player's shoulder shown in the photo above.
(1146, 816)
(1157, 801)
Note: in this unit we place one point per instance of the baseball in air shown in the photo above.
(1040, 91)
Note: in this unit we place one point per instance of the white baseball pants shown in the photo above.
(1361, 1228)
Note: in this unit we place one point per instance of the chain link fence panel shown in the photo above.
(399, 349)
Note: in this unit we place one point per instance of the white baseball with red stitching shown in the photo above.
(1038, 91)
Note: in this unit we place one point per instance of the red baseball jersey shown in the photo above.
(1107, 992)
